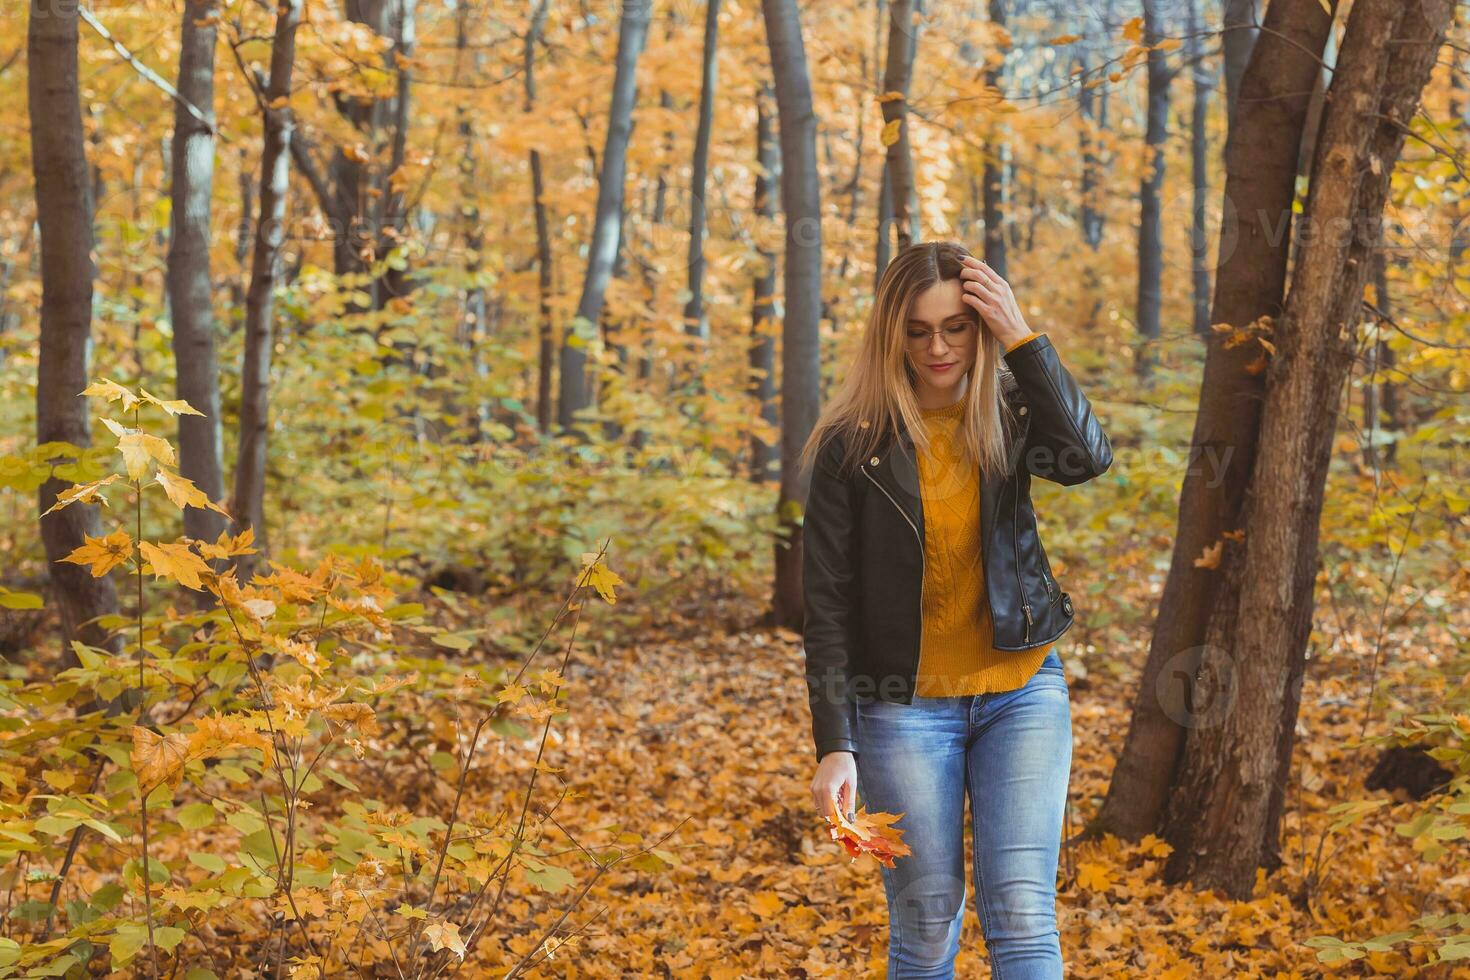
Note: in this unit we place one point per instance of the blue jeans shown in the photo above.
(1011, 753)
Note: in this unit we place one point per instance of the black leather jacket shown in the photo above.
(863, 547)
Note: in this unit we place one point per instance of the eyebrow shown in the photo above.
(925, 323)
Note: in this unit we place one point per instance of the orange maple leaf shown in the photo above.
(102, 554)
(867, 833)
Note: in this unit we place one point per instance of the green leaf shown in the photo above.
(125, 944)
(19, 600)
(196, 816)
(209, 862)
(167, 937)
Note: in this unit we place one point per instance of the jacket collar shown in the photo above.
(894, 467)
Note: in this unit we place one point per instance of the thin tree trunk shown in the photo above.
(1150, 203)
(765, 460)
(897, 73)
(1238, 40)
(1250, 282)
(546, 345)
(696, 319)
(471, 331)
(575, 389)
(801, 365)
(190, 289)
(1223, 820)
(64, 215)
(270, 232)
(997, 156)
(1199, 145)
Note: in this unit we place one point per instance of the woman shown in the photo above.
(931, 610)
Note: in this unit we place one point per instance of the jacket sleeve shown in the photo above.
(829, 564)
(1065, 442)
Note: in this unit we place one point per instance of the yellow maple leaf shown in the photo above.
(767, 904)
(112, 391)
(103, 554)
(182, 491)
(85, 493)
(176, 561)
(176, 407)
(1094, 877)
(889, 136)
(599, 576)
(444, 935)
(352, 713)
(158, 758)
(138, 447)
(1133, 30)
(226, 546)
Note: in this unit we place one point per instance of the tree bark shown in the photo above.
(1199, 145)
(546, 343)
(897, 72)
(1223, 820)
(1150, 203)
(190, 289)
(1250, 282)
(997, 156)
(575, 392)
(696, 319)
(270, 232)
(1237, 41)
(765, 461)
(801, 365)
(64, 214)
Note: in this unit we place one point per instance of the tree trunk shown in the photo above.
(996, 157)
(696, 319)
(64, 214)
(897, 72)
(1237, 41)
(347, 190)
(1199, 145)
(270, 232)
(546, 343)
(1223, 818)
(1150, 204)
(190, 299)
(575, 390)
(1250, 280)
(765, 462)
(801, 365)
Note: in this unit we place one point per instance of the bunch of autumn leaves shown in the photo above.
(162, 758)
(159, 758)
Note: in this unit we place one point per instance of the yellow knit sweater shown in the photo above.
(956, 656)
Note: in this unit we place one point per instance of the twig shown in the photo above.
(148, 73)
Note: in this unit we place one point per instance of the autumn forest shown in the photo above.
(401, 493)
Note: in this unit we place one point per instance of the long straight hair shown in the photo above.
(876, 397)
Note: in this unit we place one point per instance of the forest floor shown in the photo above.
(703, 730)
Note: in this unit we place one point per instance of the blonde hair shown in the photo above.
(876, 395)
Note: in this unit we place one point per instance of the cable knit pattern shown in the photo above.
(956, 656)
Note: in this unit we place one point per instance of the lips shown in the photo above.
(942, 367)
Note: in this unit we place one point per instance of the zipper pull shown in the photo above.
(1027, 610)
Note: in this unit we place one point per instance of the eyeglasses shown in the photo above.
(954, 334)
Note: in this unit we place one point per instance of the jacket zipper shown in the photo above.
(917, 537)
(1016, 542)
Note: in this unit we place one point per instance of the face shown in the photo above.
(947, 351)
